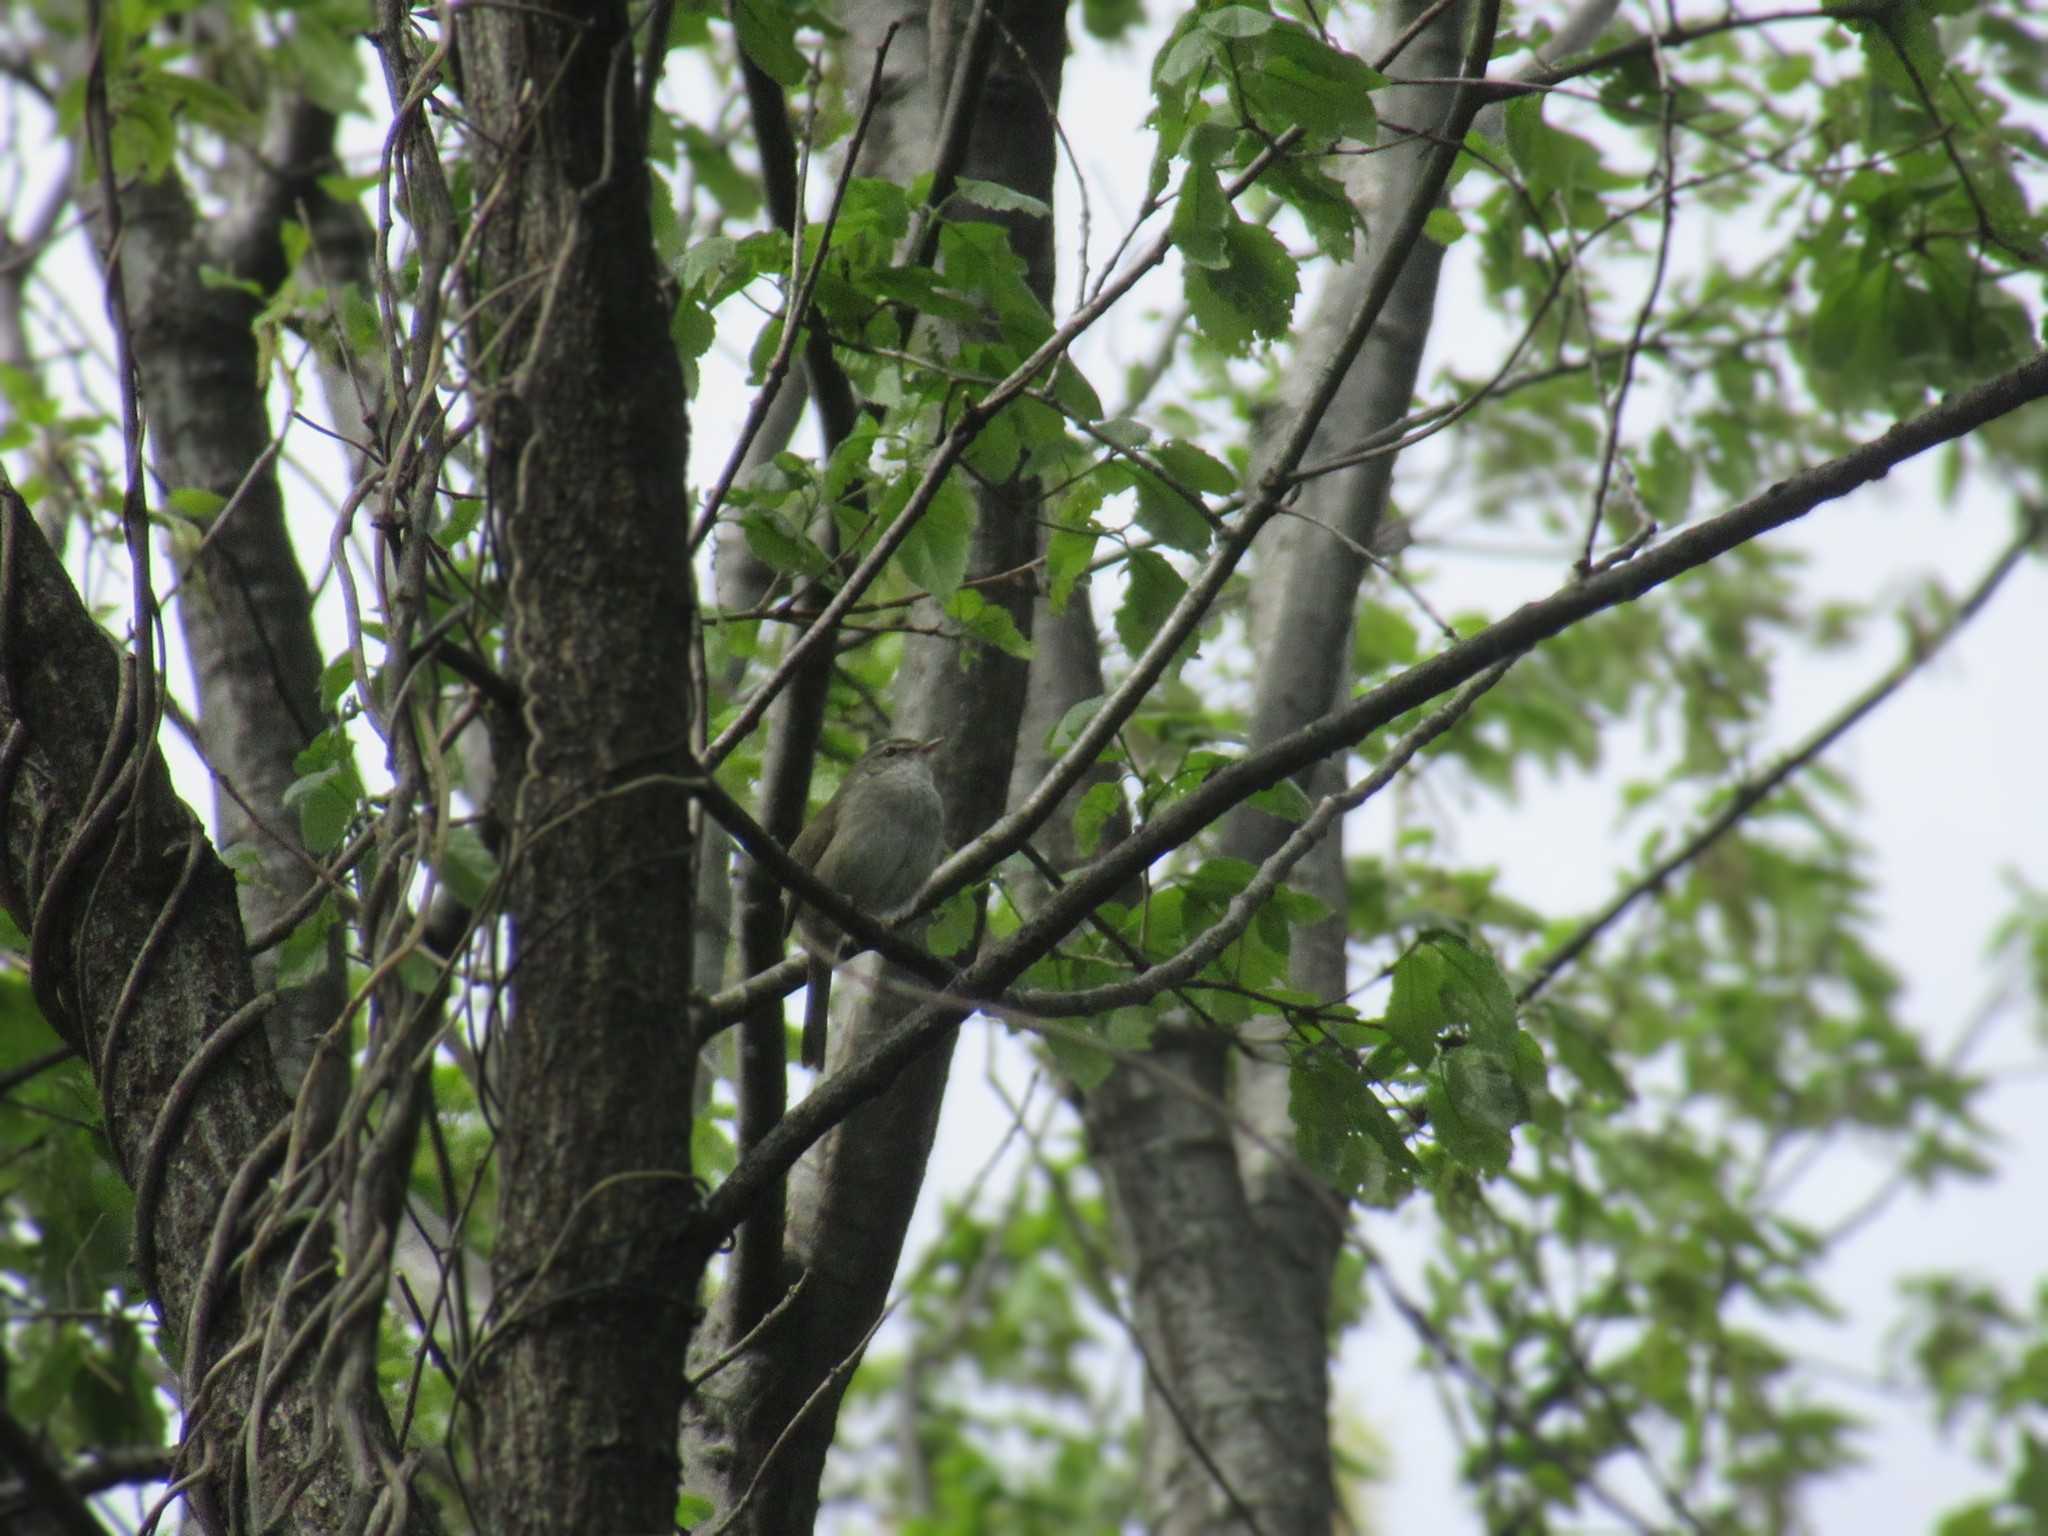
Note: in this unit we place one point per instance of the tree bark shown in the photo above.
(242, 604)
(138, 961)
(584, 414)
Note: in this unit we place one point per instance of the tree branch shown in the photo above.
(1348, 724)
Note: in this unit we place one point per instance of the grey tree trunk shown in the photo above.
(242, 599)
(1230, 1243)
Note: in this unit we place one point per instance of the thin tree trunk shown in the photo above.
(849, 1203)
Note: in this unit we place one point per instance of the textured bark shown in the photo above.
(849, 1203)
(580, 1380)
(138, 963)
(242, 603)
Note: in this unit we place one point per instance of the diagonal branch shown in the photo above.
(1920, 650)
(1348, 724)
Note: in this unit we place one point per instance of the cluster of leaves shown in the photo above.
(1615, 1250)
(77, 1354)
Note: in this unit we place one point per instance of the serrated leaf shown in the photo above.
(1202, 216)
(1248, 297)
(952, 925)
(1474, 990)
(1295, 79)
(1344, 1133)
(1475, 1103)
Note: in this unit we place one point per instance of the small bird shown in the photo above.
(874, 843)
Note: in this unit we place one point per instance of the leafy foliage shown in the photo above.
(1597, 1139)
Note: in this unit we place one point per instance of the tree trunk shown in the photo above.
(579, 1381)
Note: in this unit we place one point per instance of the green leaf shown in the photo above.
(711, 162)
(336, 678)
(1555, 161)
(1444, 226)
(321, 60)
(1586, 1056)
(1167, 515)
(1415, 1012)
(767, 31)
(1474, 1102)
(302, 957)
(1196, 469)
(1075, 394)
(1072, 723)
(1184, 57)
(1237, 21)
(460, 521)
(1102, 802)
(196, 502)
(952, 925)
(997, 198)
(1083, 1065)
(1295, 79)
(1284, 800)
(327, 792)
(1152, 587)
(1344, 1133)
(468, 867)
(1385, 638)
(1474, 990)
(770, 542)
(988, 623)
(1202, 216)
(1068, 554)
(1250, 296)
(934, 556)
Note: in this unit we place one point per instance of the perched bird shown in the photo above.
(874, 843)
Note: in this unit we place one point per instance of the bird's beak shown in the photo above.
(932, 745)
